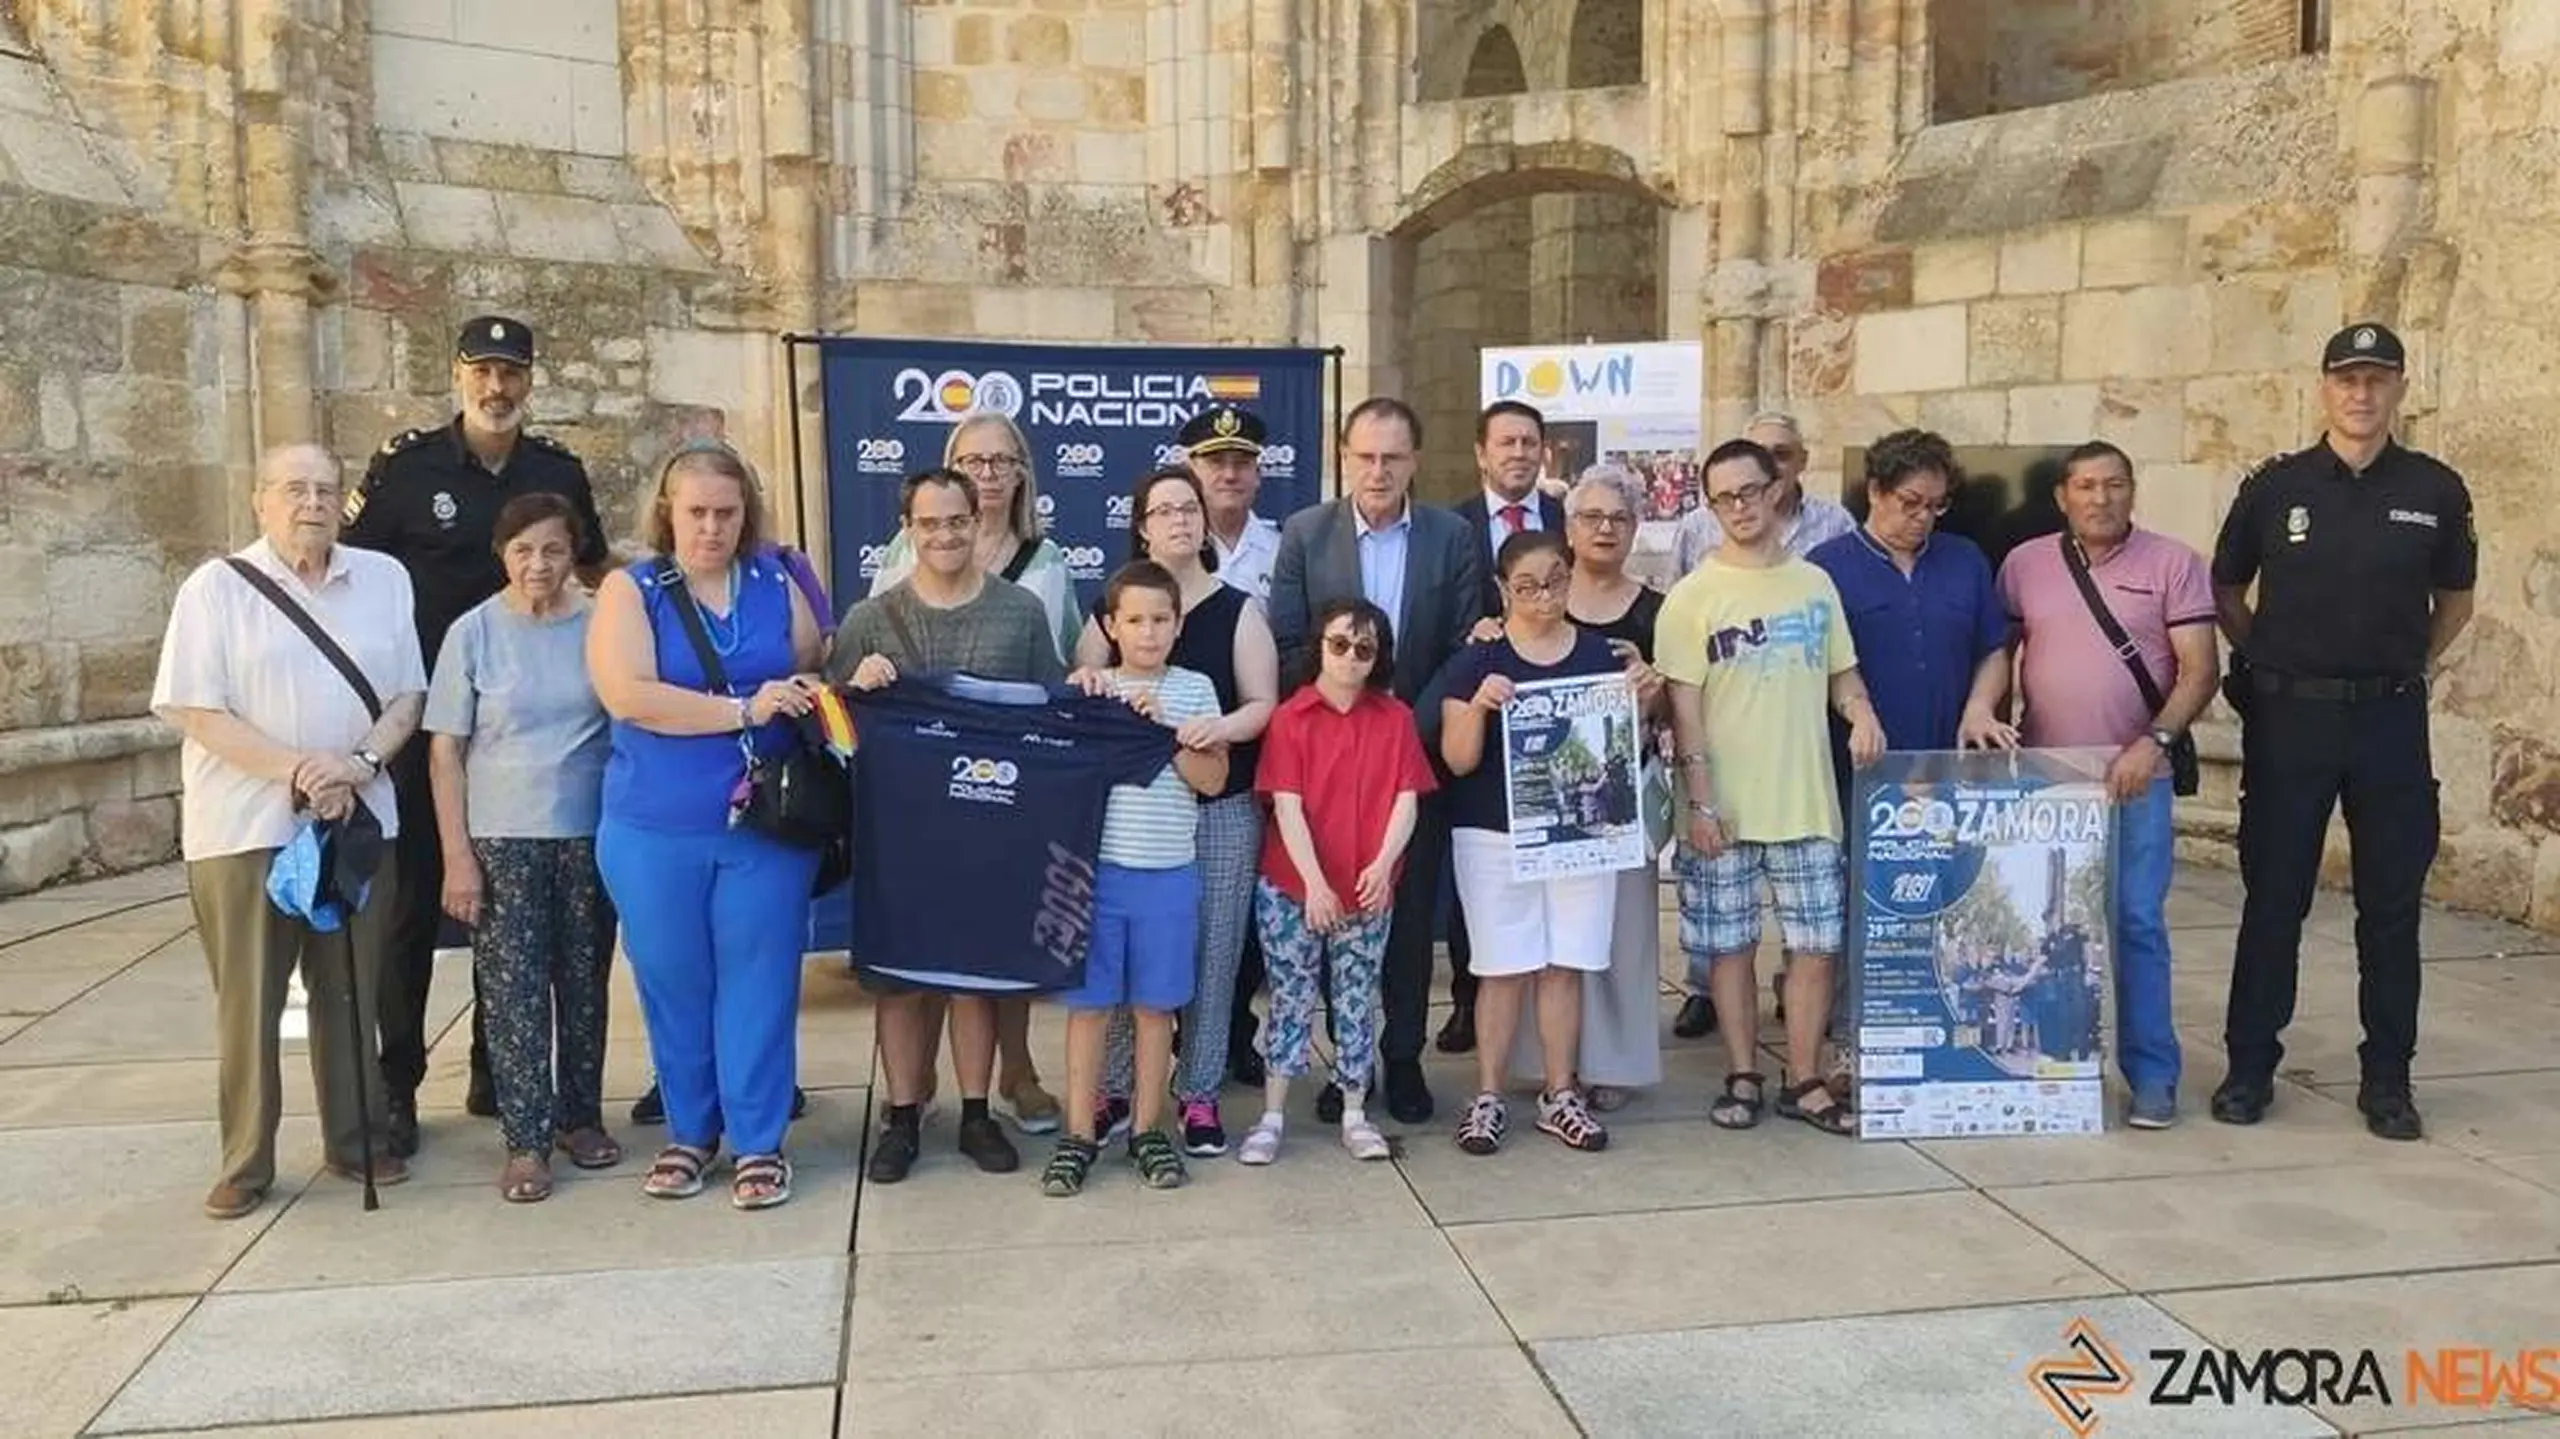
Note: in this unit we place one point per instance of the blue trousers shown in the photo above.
(713, 924)
(2146, 1031)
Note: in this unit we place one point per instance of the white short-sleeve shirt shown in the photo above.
(229, 649)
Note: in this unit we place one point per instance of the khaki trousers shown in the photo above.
(252, 949)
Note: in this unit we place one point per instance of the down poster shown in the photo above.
(1638, 406)
(1981, 943)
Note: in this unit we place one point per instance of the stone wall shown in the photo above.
(1993, 57)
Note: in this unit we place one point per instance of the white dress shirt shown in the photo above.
(1247, 564)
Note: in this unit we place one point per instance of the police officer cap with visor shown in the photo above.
(2363, 555)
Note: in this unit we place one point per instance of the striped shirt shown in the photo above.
(1155, 825)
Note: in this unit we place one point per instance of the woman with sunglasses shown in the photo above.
(1533, 940)
(1224, 637)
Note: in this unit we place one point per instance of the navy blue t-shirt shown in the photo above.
(976, 817)
(1478, 800)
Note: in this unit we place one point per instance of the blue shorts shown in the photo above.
(1146, 939)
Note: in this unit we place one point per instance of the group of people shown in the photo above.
(1333, 688)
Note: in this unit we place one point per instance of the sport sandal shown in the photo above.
(1482, 1130)
(1159, 1163)
(761, 1181)
(1068, 1166)
(1746, 1091)
(676, 1173)
(1564, 1115)
(1833, 1118)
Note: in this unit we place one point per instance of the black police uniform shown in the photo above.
(2346, 564)
(427, 502)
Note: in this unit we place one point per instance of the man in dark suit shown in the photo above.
(1426, 569)
(1511, 452)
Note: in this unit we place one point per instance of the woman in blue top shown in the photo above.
(713, 916)
(1532, 940)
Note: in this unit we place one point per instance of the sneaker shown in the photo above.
(1203, 1137)
(1564, 1115)
(893, 1153)
(1481, 1131)
(1261, 1143)
(1364, 1141)
(1110, 1120)
(799, 1102)
(2154, 1106)
(2389, 1110)
(650, 1108)
(1032, 1109)
(984, 1142)
(1159, 1166)
(1068, 1166)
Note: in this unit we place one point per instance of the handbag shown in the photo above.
(2184, 778)
(802, 796)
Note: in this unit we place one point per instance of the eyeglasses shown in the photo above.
(989, 464)
(1741, 496)
(1914, 506)
(1603, 519)
(1339, 645)
(944, 524)
(301, 493)
(1528, 589)
(1176, 510)
(1788, 454)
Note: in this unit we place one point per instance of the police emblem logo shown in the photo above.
(444, 508)
(2297, 524)
(1226, 424)
(499, 332)
(2365, 338)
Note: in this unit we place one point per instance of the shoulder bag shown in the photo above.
(801, 797)
(2184, 778)
(338, 659)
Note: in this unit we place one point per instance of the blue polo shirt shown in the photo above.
(1919, 635)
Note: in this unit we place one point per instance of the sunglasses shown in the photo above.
(1340, 645)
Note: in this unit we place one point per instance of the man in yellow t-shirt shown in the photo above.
(1755, 646)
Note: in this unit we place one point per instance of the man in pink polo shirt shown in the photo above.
(2078, 690)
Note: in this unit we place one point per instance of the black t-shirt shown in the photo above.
(1635, 624)
(977, 819)
(426, 502)
(1480, 800)
(1207, 644)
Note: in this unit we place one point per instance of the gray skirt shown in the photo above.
(1621, 1005)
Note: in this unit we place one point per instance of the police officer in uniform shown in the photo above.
(2363, 554)
(430, 500)
(1223, 447)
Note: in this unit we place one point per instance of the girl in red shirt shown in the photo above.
(1345, 774)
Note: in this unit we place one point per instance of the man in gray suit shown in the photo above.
(1425, 567)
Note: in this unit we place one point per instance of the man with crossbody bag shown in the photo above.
(2116, 650)
(292, 670)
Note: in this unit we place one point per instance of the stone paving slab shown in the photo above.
(109, 1093)
(245, 1358)
(1923, 1375)
(2502, 1310)
(2425, 1211)
(143, 1234)
(1087, 1307)
(766, 1414)
(2309, 1128)
(1621, 1274)
(2542, 1169)
(2491, 1116)
(65, 1361)
(1486, 1390)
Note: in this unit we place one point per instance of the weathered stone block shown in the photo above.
(115, 679)
(2267, 322)
(942, 95)
(2015, 341)
(159, 333)
(2239, 420)
(2147, 419)
(2052, 414)
(650, 235)
(1864, 282)
(1040, 41)
(1107, 158)
(1911, 350)
(560, 227)
(2524, 781)
(365, 358)
(973, 40)
(156, 772)
(598, 178)
(482, 166)
(59, 158)
(132, 417)
(705, 367)
(1967, 417)
(1117, 98)
(1954, 270)
(58, 412)
(470, 92)
(2484, 869)
(2274, 235)
(39, 682)
(1821, 353)
(2040, 262)
(2145, 250)
(2545, 911)
(37, 854)
(1053, 99)
(2182, 501)
(2150, 332)
(571, 29)
(21, 418)
(1173, 316)
(107, 594)
(129, 834)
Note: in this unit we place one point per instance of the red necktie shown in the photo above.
(1515, 518)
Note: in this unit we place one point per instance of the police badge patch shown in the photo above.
(2297, 524)
(445, 509)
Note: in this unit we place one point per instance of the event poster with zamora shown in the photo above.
(1981, 940)
(1571, 750)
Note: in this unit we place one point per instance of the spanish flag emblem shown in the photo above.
(1235, 388)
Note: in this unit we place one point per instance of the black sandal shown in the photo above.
(1068, 1166)
(1736, 1110)
(1834, 1118)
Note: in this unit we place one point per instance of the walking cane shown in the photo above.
(359, 1033)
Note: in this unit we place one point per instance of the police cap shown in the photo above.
(2364, 345)
(494, 337)
(1223, 427)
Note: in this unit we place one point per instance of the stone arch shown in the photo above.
(1493, 66)
(1606, 46)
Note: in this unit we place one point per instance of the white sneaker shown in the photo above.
(1261, 1144)
(1363, 1140)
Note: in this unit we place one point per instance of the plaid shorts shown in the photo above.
(1720, 897)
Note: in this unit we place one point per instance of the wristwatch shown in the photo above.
(2163, 737)
(369, 760)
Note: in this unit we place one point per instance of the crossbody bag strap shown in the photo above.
(689, 615)
(1024, 552)
(2126, 650)
(906, 636)
(338, 660)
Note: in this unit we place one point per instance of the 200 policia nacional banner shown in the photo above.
(1096, 418)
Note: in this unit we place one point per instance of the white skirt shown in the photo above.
(1521, 927)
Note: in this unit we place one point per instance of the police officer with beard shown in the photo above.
(2364, 556)
(430, 500)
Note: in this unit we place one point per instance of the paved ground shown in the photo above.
(1687, 1282)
